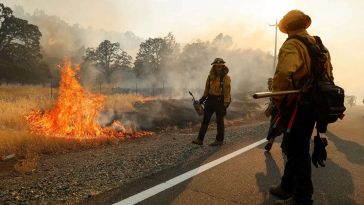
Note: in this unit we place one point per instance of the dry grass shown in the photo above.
(15, 138)
(15, 103)
(12, 91)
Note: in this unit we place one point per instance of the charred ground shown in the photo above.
(161, 114)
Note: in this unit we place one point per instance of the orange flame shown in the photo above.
(147, 99)
(74, 114)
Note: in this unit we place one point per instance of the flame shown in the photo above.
(144, 100)
(74, 114)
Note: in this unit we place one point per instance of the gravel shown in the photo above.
(72, 177)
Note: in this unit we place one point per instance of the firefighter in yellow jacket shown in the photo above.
(293, 72)
(216, 99)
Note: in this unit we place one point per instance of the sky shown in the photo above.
(337, 22)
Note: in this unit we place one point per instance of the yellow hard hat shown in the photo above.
(294, 20)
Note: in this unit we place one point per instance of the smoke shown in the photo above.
(60, 40)
(179, 113)
(106, 117)
(248, 68)
(185, 69)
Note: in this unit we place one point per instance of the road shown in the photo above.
(245, 179)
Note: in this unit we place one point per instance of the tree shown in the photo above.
(19, 47)
(154, 54)
(17, 33)
(42, 73)
(5, 13)
(197, 56)
(20, 40)
(148, 58)
(109, 57)
(222, 41)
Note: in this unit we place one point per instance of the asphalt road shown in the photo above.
(245, 179)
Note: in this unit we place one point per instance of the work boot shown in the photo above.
(289, 201)
(278, 191)
(216, 143)
(197, 141)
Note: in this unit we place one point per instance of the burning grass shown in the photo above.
(74, 114)
(71, 122)
(15, 138)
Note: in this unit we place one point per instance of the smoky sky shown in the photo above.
(247, 22)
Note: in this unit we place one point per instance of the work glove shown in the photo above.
(321, 126)
(319, 154)
(226, 104)
(224, 111)
(202, 100)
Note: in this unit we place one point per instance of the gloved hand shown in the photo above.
(319, 154)
(321, 126)
(226, 104)
(224, 111)
(202, 100)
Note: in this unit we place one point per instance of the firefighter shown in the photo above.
(292, 72)
(216, 99)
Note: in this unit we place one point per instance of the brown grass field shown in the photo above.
(15, 136)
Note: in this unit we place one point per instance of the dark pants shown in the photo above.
(213, 104)
(297, 171)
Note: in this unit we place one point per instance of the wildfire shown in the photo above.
(74, 114)
(147, 99)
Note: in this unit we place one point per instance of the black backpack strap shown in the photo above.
(314, 50)
(310, 47)
(324, 50)
(319, 42)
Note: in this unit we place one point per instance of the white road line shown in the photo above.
(172, 182)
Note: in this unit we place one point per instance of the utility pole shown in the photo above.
(275, 46)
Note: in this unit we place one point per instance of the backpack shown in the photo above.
(327, 98)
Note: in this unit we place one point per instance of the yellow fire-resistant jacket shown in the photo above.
(294, 65)
(212, 86)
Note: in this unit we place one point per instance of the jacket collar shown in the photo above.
(299, 32)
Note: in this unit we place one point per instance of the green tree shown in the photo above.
(154, 55)
(148, 58)
(109, 57)
(19, 47)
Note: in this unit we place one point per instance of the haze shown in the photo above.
(337, 22)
